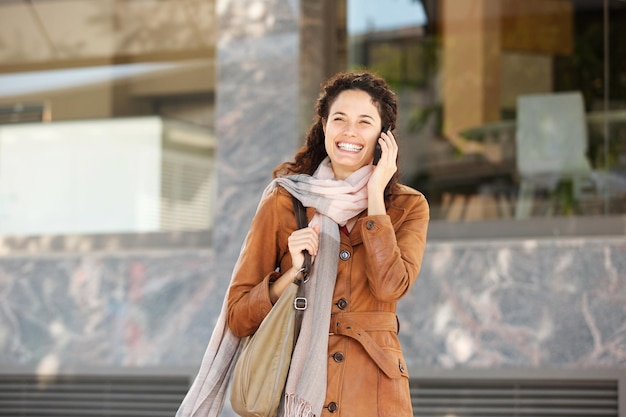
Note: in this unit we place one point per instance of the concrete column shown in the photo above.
(272, 56)
(256, 112)
(323, 50)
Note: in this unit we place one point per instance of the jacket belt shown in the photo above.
(356, 325)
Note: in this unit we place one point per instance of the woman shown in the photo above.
(367, 236)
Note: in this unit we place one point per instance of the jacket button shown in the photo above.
(333, 407)
(344, 255)
(342, 304)
(338, 357)
(369, 225)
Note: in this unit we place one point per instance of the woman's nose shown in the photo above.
(350, 130)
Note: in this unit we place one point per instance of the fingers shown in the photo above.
(389, 146)
(387, 166)
(301, 240)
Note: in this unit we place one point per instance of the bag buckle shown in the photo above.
(300, 303)
(302, 276)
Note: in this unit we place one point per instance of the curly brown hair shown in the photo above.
(308, 158)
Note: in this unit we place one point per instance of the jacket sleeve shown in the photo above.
(394, 257)
(248, 294)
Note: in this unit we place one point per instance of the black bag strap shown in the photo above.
(300, 303)
(301, 218)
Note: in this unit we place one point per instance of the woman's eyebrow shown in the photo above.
(340, 113)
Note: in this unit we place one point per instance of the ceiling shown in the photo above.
(48, 34)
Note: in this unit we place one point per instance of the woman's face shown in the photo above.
(351, 132)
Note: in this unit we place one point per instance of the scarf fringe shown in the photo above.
(297, 407)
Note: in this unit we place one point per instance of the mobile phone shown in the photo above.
(377, 150)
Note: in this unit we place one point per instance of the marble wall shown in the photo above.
(476, 305)
(66, 312)
(518, 304)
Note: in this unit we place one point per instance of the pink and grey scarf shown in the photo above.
(336, 201)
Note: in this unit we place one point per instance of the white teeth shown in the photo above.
(349, 147)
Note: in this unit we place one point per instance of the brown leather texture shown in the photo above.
(378, 263)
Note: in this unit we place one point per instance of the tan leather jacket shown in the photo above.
(378, 263)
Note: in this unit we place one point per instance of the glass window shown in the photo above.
(106, 116)
(509, 109)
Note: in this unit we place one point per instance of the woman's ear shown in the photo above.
(323, 122)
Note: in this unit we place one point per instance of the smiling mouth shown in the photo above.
(350, 147)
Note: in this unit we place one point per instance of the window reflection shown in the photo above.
(504, 108)
(126, 91)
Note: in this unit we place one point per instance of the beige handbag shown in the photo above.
(261, 370)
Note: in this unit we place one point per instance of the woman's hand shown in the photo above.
(307, 238)
(300, 240)
(383, 172)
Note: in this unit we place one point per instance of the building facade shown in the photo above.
(137, 138)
